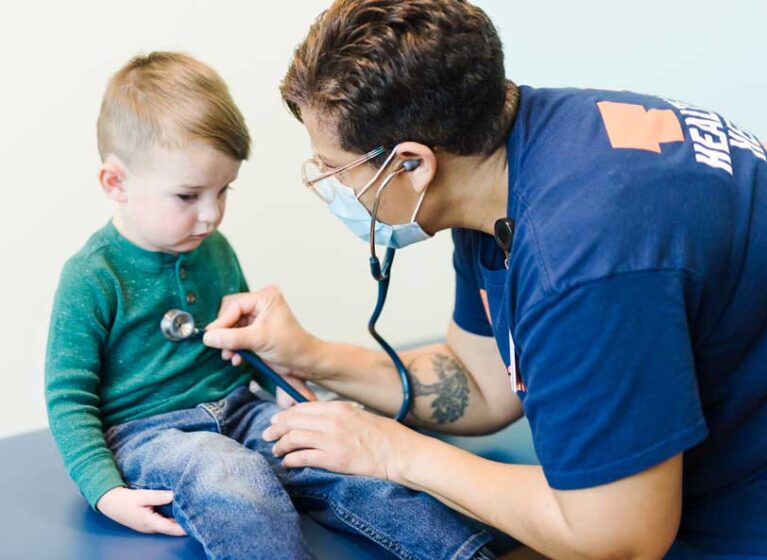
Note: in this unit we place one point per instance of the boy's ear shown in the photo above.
(112, 178)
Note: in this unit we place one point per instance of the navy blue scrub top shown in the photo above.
(633, 313)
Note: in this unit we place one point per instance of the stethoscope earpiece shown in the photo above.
(410, 164)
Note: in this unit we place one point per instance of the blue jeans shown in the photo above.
(236, 498)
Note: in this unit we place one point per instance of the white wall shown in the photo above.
(55, 58)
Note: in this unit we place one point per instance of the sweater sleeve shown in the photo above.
(243, 281)
(80, 321)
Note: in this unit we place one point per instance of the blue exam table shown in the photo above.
(44, 517)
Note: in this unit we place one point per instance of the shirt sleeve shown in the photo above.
(243, 281)
(78, 331)
(610, 375)
(469, 311)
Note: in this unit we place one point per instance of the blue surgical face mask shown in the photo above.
(347, 208)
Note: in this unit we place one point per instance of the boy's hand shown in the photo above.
(135, 509)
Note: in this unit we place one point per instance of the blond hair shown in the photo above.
(167, 99)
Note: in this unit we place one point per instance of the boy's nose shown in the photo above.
(209, 213)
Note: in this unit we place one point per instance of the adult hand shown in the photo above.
(262, 322)
(135, 509)
(286, 401)
(340, 437)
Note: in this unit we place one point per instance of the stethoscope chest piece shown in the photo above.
(178, 325)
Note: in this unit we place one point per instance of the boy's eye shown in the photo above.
(187, 197)
(223, 191)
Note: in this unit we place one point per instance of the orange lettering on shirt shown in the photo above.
(632, 126)
(483, 295)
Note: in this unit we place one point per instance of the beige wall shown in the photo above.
(56, 56)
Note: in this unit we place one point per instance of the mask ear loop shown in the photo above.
(375, 267)
(407, 165)
(418, 206)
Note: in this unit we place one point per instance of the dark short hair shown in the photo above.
(386, 71)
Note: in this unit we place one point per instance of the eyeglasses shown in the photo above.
(314, 173)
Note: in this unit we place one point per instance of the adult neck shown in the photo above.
(467, 192)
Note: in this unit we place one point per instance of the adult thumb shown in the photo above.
(229, 339)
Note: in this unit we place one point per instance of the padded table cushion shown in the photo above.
(44, 515)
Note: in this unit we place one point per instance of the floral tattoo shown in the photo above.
(451, 389)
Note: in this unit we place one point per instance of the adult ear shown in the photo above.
(423, 164)
(112, 178)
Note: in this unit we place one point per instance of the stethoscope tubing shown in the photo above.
(381, 274)
(273, 376)
(259, 365)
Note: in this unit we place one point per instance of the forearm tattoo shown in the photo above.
(451, 389)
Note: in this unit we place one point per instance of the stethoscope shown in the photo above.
(382, 274)
(177, 324)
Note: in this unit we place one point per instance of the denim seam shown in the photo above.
(197, 535)
(365, 528)
(460, 553)
(213, 411)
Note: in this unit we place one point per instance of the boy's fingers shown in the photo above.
(155, 497)
(165, 525)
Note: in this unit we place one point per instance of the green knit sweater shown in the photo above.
(107, 361)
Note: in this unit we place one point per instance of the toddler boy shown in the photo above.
(144, 423)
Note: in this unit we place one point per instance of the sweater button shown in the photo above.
(182, 273)
(191, 298)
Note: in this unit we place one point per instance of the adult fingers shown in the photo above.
(298, 384)
(303, 417)
(297, 439)
(318, 408)
(286, 401)
(307, 458)
(301, 387)
(231, 339)
(228, 355)
(236, 308)
(229, 314)
(283, 399)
